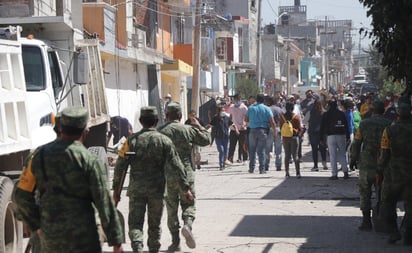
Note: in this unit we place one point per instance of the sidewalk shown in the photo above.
(241, 212)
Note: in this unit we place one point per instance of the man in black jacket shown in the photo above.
(335, 127)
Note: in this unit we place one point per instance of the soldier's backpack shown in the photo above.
(287, 128)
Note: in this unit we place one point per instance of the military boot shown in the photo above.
(190, 239)
(137, 247)
(175, 246)
(366, 224)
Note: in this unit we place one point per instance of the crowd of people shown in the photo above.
(368, 133)
(63, 179)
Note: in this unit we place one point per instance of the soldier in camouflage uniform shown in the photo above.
(368, 137)
(59, 187)
(395, 166)
(184, 137)
(153, 160)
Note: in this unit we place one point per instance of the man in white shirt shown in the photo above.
(237, 112)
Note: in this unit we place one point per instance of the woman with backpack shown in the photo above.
(290, 128)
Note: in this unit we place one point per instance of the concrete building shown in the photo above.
(327, 46)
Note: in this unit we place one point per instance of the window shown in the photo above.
(57, 81)
(33, 68)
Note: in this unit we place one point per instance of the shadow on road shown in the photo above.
(321, 233)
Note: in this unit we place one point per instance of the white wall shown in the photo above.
(126, 92)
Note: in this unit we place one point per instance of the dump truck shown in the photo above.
(34, 86)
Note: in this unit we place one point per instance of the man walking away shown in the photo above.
(395, 166)
(153, 160)
(367, 143)
(184, 137)
(59, 188)
(260, 119)
(271, 142)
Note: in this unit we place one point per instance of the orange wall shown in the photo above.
(120, 21)
(164, 36)
(93, 20)
(183, 52)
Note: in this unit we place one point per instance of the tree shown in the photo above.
(391, 35)
(246, 87)
(377, 74)
(392, 87)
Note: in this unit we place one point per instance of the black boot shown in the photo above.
(175, 246)
(366, 224)
(137, 247)
(297, 170)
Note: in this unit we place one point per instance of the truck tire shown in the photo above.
(11, 231)
(101, 153)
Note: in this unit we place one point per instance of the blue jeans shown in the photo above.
(278, 150)
(257, 144)
(221, 145)
(337, 152)
(277, 143)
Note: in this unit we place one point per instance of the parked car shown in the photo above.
(368, 88)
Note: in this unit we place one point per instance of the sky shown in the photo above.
(318, 9)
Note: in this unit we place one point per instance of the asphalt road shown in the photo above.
(240, 212)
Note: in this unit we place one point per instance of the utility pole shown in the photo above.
(259, 49)
(196, 57)
(288, 90)
(327, 54)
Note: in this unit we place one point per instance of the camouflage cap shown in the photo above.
(173, 108)
(148, 111)
(74, 117)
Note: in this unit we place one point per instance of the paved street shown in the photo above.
(241, 212)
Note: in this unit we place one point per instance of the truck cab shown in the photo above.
(34, 86)
(44, 81)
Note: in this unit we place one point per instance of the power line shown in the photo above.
(271, 7)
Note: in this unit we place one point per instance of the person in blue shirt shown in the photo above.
(260, 120)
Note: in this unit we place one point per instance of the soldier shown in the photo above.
(59, 187)
(368, 136)
(183, 136)
(394, 165)
(153, 160)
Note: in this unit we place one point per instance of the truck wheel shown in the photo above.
(11, 230)
(101, 153)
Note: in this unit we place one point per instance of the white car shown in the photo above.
(360, 79)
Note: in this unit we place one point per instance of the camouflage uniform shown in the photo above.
(183, 136)
(368, 136)
(69, 181)
(155, 161)
(395, 162)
